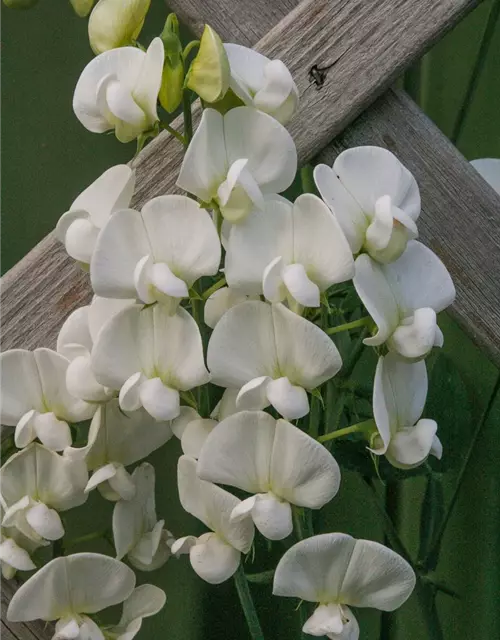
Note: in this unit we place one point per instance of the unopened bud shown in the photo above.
(20, 4)
(116, 23)
(209, 73)
(172, 84)
(82, 7)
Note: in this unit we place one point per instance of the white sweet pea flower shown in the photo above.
(235, 159)
(272, 355)
(155, 255)
(277, 462)
(403, 299)
(75, 341)
(15, 549)
(115, 441)
(136, 531)
(144, 601)
(264, 84)
(35, 399)
(150, 356)
(118, 90)
(219, 302)
(337, 572)
(36, 484)
(69, 588)
(288, 252)
(116, 23)
(214, 556)
(399, 395)
(375, 199)
(79, 227)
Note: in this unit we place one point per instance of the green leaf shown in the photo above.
(431, 517)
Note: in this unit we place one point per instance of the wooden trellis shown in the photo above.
(366, 44)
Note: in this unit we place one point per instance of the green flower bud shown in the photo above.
(209, 73)
(20, 4)
(82, 7)
(172, 85)
(116, 23)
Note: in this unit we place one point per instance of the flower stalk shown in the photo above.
(247, 604)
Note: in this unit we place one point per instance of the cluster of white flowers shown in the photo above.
(257, 269)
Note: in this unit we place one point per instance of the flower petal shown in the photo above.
(75, 331)
(376, 577)
(195, 435)
(419, 264)
(272, 517)
(69, 583)
(265, 143)
(253, 395)
(273, 284)
(489, 168)
(129, 398)
(80, 239)
(15, 556)
(186, 415)
(301, 287)
(372, 287)
(416, 336)
(183, 236)
(53, 433)
(46, 522)
(278, 96)
(313, 482)
(313, 569)
(103, 309)
(17, 399)
(205, 162)
(322, 619)
(143, 602)
(124, 346)
(239, 193)
(159, 400)
(213, 559)
(122, 242)
(319, 243)
(147, 86)
(344, 207)
(242, 345)
(306, 355)
(238, 452)
(219, 302)
(289, 400)
(81, 382)
(326, 619)
(411, 446)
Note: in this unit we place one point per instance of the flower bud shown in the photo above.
(172, 84)
(82, 7)
(116, 23)
(20, 4)
(209, 73)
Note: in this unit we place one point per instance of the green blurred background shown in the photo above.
(48, 158)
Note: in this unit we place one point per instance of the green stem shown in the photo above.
(188, 116)
(314, 417)
(189, 47)
(215, 287)
(451, 505)
(298, 524)
(360, 427)
(476, 73)
(174, 132)
(307, 180)
(95, 535)
(362, 322)
(218, 219)
(247, 604)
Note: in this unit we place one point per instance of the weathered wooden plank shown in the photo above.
(460, 217)
(19, 631)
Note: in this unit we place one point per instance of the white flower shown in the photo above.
(36, 483)
(399, 395)
(116, 23)
(35, 399)
(236, 159)
(68, 588)
(155, 255)
(192, 430)
(403, 299)
(219, 302)
(118, 90)
(79, 227)
(287, 251)
(136, 531)
(75, 341)
(264, 84)
(143, 602)
(375, 199)
(214, 556)
(489, 168)
(272, 355)
(150, 356)
(115, 441)
(338, 571)
(277, 462)
(15, 549)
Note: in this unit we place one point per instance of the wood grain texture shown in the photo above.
(460, 217)
(37, 630)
